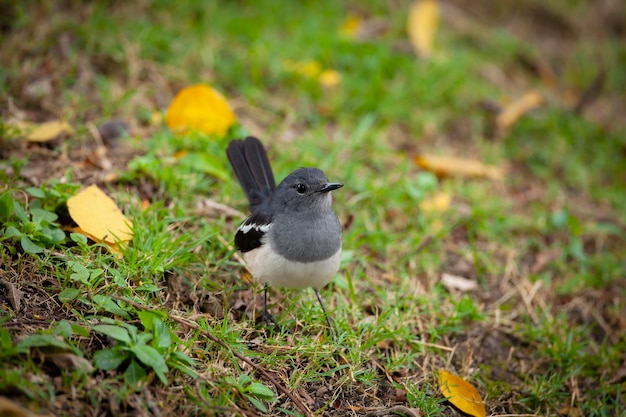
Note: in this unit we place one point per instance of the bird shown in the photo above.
(292, 238)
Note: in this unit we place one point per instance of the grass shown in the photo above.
(169, 326)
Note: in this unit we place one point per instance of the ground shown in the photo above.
(509, 273)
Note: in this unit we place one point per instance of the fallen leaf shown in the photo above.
(460, 393)
(422, 26)
(200, 108)
(329, 78)
(448, 166)
(47, 131)
(9, 408)
(351, 26)
(516, 109)
(98, 216)
(69, 362)
(455, 282)
(438, 203)
(570, 411)
(12, 294)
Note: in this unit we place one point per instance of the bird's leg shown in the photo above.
(330, 325)
(267, 317)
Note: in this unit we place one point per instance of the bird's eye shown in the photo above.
(301, 188)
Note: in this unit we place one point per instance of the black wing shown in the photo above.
(250, 234)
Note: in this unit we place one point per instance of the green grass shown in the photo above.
(168, 326)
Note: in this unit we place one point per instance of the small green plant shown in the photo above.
(152, 348)
(34, 223)
(251, 391)
(35, 229)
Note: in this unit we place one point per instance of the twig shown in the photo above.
(214, 339)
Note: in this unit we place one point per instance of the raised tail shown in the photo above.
(252, 168)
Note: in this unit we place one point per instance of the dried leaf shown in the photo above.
(13, 294)
(98, 216)
(448, 166)
(200, 108)
(516, 109)
(69, 362)
(47, 131)
(461, 393)
(9, 408)
(398, 410)
(455, 282)
(422, 26)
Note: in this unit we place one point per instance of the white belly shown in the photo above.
(271, 268)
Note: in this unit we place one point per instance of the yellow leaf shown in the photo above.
(200, 108)
(329, 78)
(439, 203)
(422, 26)
(47, 131)
(98, 217)
(309, 69)
(514, 111)
(461, 393)
(351, 26)
(448, 165)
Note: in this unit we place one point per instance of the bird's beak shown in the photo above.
(330, 186)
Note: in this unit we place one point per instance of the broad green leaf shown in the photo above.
(41, 340)
(114, 332)
(108, 359)
(63, 328)
(260, 391)
(151, 357)
(108, 304)
(80, 273)
(43, 216)
(20, 212)
(80, 330)
(6, 206)
(78, 238)
(11, 232)
(54, 234)
(36, 192)
(29, 246)
(147, 319)
(258, 404)
(134, 373)
(68, 294)
(163, 337)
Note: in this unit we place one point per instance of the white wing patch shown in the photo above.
(245, 228)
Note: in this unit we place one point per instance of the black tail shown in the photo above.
(253, 170)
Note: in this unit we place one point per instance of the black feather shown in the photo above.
(252, 168)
